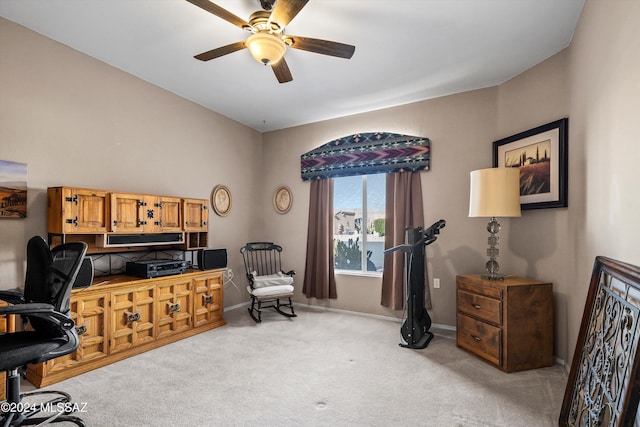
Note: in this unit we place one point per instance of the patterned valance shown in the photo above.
(366, 153)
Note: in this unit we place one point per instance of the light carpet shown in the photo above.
(319, 369)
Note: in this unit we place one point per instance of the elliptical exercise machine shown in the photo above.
(415, 328)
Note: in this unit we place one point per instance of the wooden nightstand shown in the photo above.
(508, 323)
(6, 325)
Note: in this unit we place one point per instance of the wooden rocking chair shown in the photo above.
(269, 285)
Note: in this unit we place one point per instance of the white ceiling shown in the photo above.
(406, 50)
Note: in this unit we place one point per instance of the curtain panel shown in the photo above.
(366, 153)
(319, 275)
(403, 209)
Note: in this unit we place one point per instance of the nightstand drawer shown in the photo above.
(483, 308)
(479, 338)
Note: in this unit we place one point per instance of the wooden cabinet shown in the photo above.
(126, 316)
(196, 214)
(88, 309)
(508, 323)
(174, 306)
(207, 299)
(77, 210)
(167, 215)
(133, 317)
(110, 221)
(145, 213)
(129, 212)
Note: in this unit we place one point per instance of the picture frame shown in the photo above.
(221, 200)
(541, 154)
(282, 199)
(13, 190)
(603, 387)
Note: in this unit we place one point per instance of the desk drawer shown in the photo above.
(480, 338)
(481, 307)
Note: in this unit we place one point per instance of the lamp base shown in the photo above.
(492, 265)
(492, 276)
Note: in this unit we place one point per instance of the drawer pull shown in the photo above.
(173, 307)
(476, 338)
(207, 299)
(132, 317)
(81, 330)
(476, 306)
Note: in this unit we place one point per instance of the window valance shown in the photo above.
(366, 153)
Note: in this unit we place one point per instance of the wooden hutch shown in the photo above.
(119, 316)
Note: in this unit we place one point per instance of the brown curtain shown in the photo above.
(403, 209)
(319, 276)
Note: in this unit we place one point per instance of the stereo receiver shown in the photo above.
(156, 268)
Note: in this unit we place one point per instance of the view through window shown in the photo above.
(358, 224)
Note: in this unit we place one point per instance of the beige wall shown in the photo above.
(76, 121)
(604, 82)
(461, 128)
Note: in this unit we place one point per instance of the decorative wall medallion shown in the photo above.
(221, 200)
(282, 199)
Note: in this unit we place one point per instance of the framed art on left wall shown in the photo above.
(13, 189)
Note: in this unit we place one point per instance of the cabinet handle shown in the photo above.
(81, 330)
(173, 307)
(133, 317)
(476, 338)
(476, 306)
(207, 299)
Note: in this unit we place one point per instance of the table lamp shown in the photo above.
(494, 193)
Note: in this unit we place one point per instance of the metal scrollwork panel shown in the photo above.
(603, 386)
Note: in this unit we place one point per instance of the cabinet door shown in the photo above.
(127, 212)
(133, 317)
(196, 214)
(166, 213)
(174, 306)
(89, 312)
(207, 303)
(77, 210)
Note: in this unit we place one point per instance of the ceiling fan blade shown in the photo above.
(220, 12)
(323, 47)
(285, 10)
(281, 70)
(221, 51)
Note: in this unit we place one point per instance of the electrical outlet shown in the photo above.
(436, 283)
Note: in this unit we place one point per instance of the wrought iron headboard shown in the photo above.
(604, 382)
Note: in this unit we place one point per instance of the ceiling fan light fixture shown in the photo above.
(266, 48)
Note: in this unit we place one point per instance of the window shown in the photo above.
(358, 224)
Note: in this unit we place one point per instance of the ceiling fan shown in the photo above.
(268, 43)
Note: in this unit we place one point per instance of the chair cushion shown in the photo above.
(270, 291)
(278, 279)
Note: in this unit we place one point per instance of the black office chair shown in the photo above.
(268, 283)
(50, 334)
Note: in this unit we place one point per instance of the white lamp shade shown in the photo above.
(495, 192)
(266, 48)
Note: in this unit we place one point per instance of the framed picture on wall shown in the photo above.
(541, 155)
(282, 199)
(13, 189)
(221, 200)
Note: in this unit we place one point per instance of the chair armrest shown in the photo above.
(42, 311)
(27, 309)
(12, 296)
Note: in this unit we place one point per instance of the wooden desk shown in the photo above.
(7, 324)
(508, 323)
